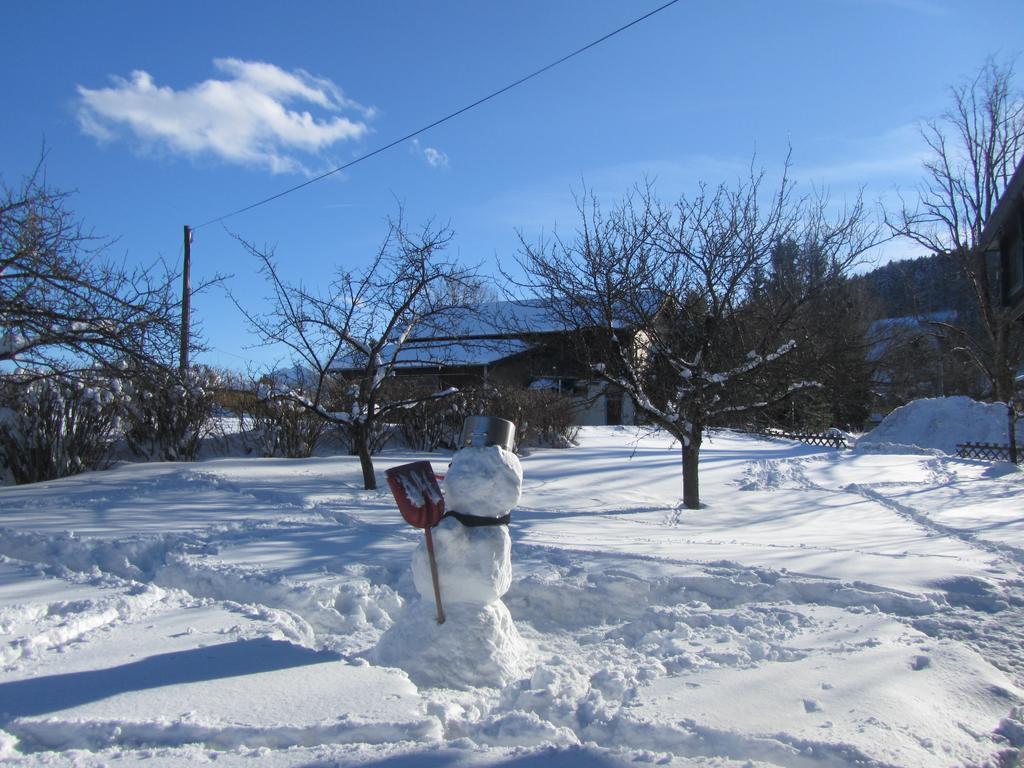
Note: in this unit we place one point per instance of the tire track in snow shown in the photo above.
(601, 632)
(984, 616)
(1007, 552)
(57, 735)
(617, 585)
(771, 473)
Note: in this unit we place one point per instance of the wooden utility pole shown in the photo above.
(186, 298)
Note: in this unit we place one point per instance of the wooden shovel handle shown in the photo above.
(433, 575)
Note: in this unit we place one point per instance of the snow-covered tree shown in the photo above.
(346, 340)
(64, 306)
(662, 298)
(74, 325)
(168, 410)
(53, 427)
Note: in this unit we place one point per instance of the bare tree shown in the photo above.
(63, 305)
(975, 148)
(662, 299)
(347, 340)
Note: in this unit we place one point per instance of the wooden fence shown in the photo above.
(986, 452)
(983, 451)
(824, 439)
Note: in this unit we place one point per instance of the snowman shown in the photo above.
(478, 643)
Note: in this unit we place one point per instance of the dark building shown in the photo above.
(1004, 233)
(515, 344)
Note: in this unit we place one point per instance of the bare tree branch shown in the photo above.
(667, 301)
(64, 306)
(349, 339)
(976, 145)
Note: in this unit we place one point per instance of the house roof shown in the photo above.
(475, 336)
(1011, 195)
(448, 354)
(491, 320)
(481, 335)
(884, 332)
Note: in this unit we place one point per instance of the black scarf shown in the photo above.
(473, 521)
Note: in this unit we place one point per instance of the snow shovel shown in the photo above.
(421, 503)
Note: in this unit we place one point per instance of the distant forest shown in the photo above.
(916, 286)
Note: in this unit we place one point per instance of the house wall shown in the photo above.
(1004, 233)
(1011, 247)
(629, 414)
(595, 410)
(554, 359)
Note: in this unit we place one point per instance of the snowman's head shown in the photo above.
(485, 482)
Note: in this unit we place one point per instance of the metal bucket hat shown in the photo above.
(481, 431)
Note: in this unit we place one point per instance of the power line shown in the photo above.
(444, 119)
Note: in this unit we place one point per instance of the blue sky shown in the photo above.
(161, 115)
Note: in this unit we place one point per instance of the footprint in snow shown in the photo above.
(812, 705)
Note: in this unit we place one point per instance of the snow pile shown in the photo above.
(476, 646)
(939, 424)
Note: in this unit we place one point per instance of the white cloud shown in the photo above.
(435, 157)
(248, 118)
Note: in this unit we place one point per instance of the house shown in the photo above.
(517, 344)
(1004, 234)
(911, 360)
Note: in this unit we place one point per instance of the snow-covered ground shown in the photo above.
(825, 608)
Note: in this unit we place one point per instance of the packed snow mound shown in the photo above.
(484, 482)
(476, 646)
(474, 564)
(938, 424)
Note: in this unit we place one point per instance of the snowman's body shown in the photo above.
(478, 644)
(474, 564)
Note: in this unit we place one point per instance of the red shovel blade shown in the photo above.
(418, 495)
(421, 503)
